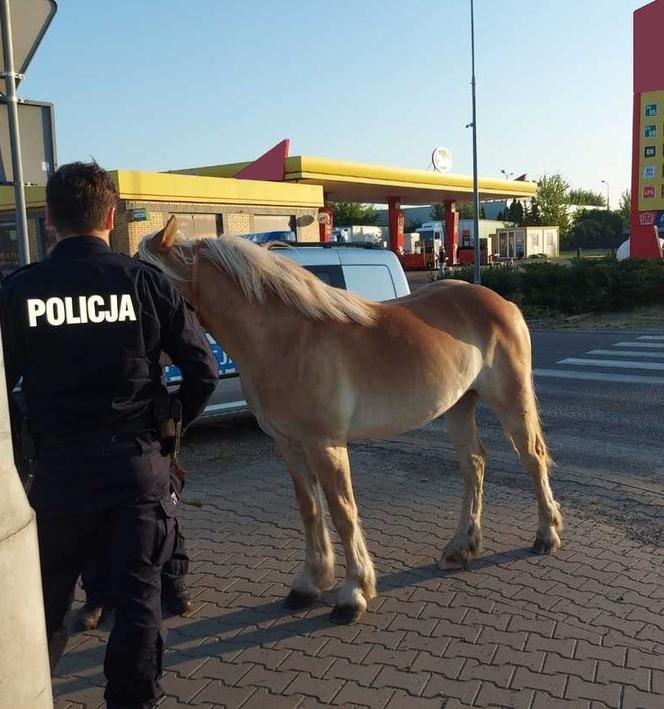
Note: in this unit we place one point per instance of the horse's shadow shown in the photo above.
(270, 622)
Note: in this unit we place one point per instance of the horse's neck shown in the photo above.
(245, 329)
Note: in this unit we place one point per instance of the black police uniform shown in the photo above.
(85, 329)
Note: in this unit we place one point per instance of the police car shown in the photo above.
(372, 272)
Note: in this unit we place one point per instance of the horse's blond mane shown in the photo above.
(262, 273)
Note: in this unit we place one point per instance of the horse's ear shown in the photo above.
(165, 238)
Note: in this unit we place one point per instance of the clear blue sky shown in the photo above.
(159, 84)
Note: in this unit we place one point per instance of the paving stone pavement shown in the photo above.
(583, 628)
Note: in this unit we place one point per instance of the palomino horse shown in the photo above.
(321, 366)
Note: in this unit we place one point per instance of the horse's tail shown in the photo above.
(532, 422)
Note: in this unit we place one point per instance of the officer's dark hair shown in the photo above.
(79, 196)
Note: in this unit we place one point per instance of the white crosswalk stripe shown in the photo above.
(637, 354)
(619, 364)
(626, 353)
(638, 344)
(598, 376)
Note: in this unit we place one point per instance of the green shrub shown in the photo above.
(582, 286)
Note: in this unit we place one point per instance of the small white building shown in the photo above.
(525, 241)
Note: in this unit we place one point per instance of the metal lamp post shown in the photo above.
(608, 203)
(476, 195)
(507, 174)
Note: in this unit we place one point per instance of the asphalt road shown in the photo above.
(610, 416)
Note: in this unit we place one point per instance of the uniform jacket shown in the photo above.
(85, 329)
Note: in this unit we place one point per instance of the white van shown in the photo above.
(374, 273)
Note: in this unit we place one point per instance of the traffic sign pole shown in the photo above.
(14, 135)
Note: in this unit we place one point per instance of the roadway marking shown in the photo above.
(598, 376)
(638, 344)
(625, 353)
(651, 337)
(612, 363)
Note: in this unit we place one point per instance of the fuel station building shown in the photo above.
(273, 193)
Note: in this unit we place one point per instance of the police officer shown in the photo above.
(84, 329)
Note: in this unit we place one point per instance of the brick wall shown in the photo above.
(307, 230)
(132, 232)
(237, 222)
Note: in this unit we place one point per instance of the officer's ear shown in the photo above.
(164, 239)
(109, 222)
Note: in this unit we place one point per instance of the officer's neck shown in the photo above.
(99, 233)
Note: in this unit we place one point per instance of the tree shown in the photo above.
(596, 229)
(437, 212)
(352, 213)
(534, 215)
(625, 208)
(515, 213)
(586, 198)
(552, 198)
(412, 226)
(465, 210)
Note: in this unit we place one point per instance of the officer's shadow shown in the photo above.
(213, 632)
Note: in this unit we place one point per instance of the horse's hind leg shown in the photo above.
(318, 572)
(462, 429)
(330, 463)
(518, 413)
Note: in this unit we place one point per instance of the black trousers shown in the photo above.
(97, 579)
(98, 584)
(137, 533)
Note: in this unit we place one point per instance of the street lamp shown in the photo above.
(608, 204)
(476, 194)
(507, 174)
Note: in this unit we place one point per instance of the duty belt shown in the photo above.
(122, 429)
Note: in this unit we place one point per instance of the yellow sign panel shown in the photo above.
(651, 152)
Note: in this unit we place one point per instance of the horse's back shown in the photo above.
(464, 310)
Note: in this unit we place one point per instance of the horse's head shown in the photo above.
(175, 258)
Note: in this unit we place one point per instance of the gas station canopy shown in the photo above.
(358, 182)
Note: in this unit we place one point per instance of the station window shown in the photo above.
(45, 239)
(8, 248)
(198, 226)
(274, 222)
(519, 250)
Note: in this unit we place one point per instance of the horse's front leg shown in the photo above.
(330, 464)
(318, 572)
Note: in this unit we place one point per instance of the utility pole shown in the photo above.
(608, 203)
(476, 194)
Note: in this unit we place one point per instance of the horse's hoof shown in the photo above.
(458, 559)
(298, 600)
(345, 615)
(545, 546)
